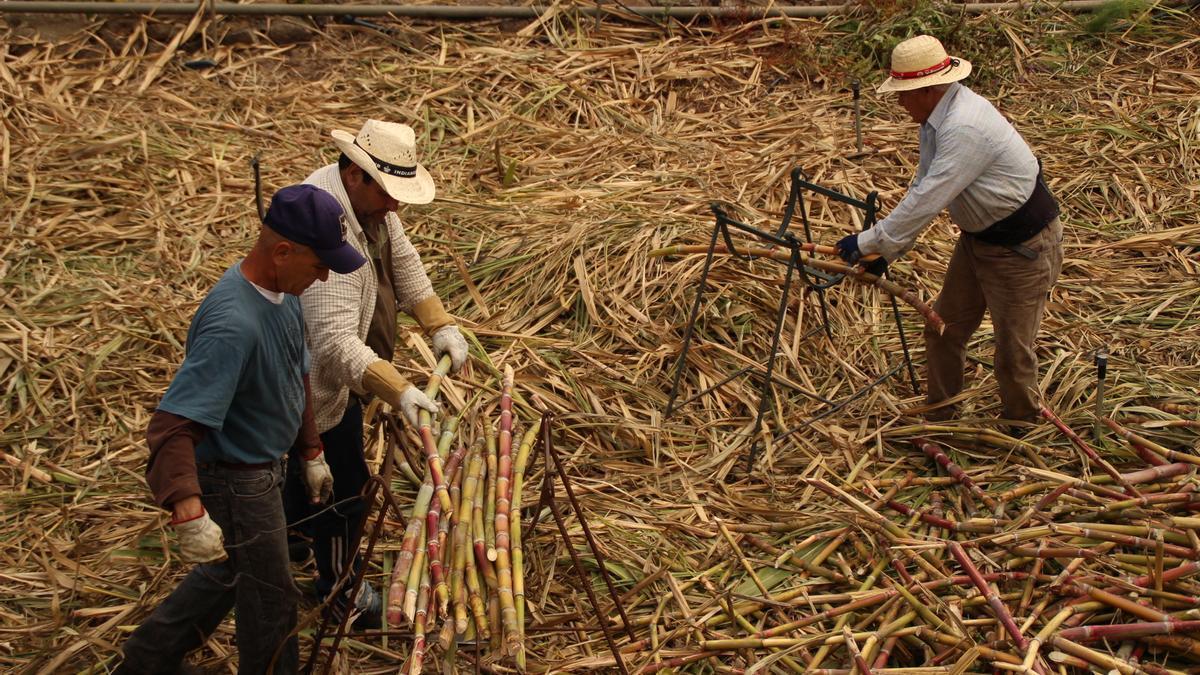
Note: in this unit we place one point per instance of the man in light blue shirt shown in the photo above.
(975, 165)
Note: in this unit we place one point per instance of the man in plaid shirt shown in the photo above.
(351, 322)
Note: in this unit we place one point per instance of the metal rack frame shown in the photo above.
(813, 279)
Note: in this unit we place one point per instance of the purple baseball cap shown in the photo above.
(306, 214)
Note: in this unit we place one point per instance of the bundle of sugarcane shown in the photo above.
(461, 561)
(1014, 564)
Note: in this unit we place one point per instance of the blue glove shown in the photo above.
(878, 266)
(847, 248)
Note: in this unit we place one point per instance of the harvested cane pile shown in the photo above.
(566, 151)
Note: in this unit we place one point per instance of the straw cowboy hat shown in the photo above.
(388, 152)
(923, 62)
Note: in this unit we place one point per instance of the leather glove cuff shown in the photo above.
(383, 380)
(431, 315)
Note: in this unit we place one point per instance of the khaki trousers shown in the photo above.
(1013, 289)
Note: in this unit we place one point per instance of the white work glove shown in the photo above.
(448, 340)
(382, 379)
(318, 478)
(412, 401)
(200, 540)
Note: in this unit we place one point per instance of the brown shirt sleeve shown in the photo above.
(308, 436)
(171, 471)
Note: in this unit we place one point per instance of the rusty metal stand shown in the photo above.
(814, 280)
(378, 484)
(552, 469)
(553, 472)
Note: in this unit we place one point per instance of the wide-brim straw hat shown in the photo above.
(922, 61)
(388, 152)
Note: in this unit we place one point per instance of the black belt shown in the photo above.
(1030, 218)
(237, 466)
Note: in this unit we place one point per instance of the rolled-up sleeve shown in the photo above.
(962, 155)
(331, 316)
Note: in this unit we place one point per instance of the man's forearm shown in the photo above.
(188, 508)
(171, 470)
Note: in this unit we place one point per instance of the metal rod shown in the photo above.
(766, 391)
(856, 86)
(691, 325)
(258, 199)
(551, 466)
(487, 12)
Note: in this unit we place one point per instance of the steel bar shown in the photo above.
(491, 12)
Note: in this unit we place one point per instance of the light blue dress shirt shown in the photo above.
(972, 161)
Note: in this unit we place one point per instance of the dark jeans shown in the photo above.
(247, 505)
(332, 529)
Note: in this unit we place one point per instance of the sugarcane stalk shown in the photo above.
(795, 559)
(518, 552)
(418, 572)
(856, 273)
(1139, 441)
(1125, 631)
(404, 560)
(1124, 539)
(1088, 451)
(998, 608)
(432, 459)
(690, 249)
(508, 610)
(433, 546)
(855, 655)
(479, 538)
(1093, 656)
(476, 593)
(462, 551)
(489, 516)
(935, 453)
(1159, 472)
(417, 659)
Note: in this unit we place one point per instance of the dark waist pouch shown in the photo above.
(1032, 217)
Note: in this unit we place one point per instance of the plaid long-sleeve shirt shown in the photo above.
(338, 312)
(973, 162)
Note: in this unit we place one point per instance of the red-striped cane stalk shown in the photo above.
(508, 610)
(998, 607)
(1087, 450)
(432, 459)
(935, 453)
(417, 660)
(1150, 445)
(408, 548)
(855, 273)
(1124, 631)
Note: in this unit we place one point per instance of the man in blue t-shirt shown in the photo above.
(239, 401)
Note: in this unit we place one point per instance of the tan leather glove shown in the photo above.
(383, 380)
(431, 315)
(200, 540)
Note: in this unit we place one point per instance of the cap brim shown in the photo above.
(954, 74)
(343, 259)
(419, 189)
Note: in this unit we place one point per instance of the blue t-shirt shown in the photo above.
(242, 376)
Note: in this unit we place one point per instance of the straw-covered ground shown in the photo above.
(565, 151)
